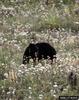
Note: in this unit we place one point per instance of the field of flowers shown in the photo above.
(26, 21)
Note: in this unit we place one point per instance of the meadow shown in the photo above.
(26, 21)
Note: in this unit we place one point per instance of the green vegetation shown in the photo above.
(25, 21)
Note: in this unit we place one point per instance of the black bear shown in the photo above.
(39, 50)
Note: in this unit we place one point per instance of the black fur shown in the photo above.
(39, 50)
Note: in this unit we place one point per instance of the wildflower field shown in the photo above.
(52, 21)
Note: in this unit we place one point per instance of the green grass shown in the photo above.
(34, 21)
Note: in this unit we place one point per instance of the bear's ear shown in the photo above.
(31, 44)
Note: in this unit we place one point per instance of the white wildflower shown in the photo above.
(20, 70)
(55, 86)
(29, 88)
(30, 97)
(6, 75)
(7, 8)
(51, 91)
(40, 96)
(76, 22)
(54, 95)
(8, 92)
(23, 33)
(14, 91)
